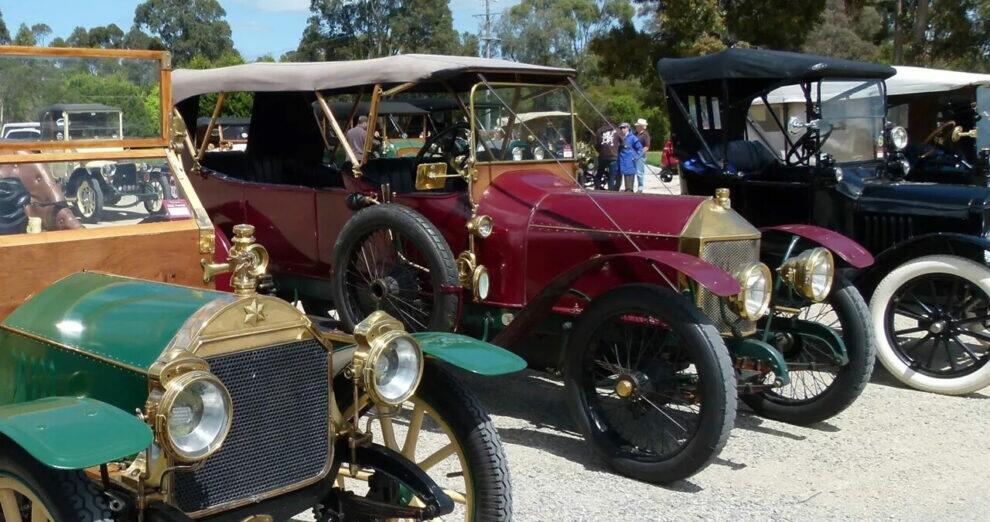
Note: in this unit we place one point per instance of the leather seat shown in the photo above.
(400, 173)
(746, 156)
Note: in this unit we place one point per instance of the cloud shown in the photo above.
(289, 6)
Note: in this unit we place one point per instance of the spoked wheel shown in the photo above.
(89, 200)
(445, 430)
(389, 257)
(650, 383)
(820, 387)
(159, 187)
(30, 491)
(933, 320)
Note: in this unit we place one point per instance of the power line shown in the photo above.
(487, 37)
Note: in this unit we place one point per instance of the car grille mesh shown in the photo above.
(279, 436)
(727, 255)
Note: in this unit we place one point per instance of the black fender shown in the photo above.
(944, 243)
(713, 278)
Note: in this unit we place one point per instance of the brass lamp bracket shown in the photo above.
(958, 133)
(247, 261)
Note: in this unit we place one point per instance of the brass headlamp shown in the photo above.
(193, 415)
(810, 273)
(753, 301)
(388, 362)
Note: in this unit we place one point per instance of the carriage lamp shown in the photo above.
(898, 137)
(810, 273)
(480, 283)
(753, 302)
(195, 416)
(388, 362)
(480, 226)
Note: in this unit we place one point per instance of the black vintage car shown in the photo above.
(834, 160)
(97, 184)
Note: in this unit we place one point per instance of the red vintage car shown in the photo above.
(656, 309)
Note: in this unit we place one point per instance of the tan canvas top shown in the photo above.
(346, 76)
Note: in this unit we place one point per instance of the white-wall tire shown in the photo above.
(972, 272)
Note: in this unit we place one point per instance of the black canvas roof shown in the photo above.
(79, 107)
(765, 64)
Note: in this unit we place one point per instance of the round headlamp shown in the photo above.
(195, 415)
(108, 170)
(392, 368)
(539, 153)
(810, 273)
(898, 137)
(480, 282)
(517, 153)
(481, 226)
(753, 301)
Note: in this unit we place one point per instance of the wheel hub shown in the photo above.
(937, 327)
(626, 387)
(384, 287)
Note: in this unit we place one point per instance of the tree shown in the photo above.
(558, 32)
(356, 29)
(4, 33)
(775, 24)
(79, 37)
(107, 37)
(846, 31)
(41, 33)
(187, 27)
(24, 36)
(138, 39)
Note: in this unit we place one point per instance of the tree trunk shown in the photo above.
(898, 39)
(920, 28)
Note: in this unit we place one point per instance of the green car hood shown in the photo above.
(121, 321)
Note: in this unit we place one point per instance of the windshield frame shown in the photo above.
(549, 88)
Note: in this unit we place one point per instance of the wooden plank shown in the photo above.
(18, 50)
(165, 86)
(166, 252)
(83, 144)
(53, 157)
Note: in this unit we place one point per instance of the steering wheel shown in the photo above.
(451, 145)
(936, 136)
(802, 151)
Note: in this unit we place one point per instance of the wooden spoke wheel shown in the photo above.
(19, 503)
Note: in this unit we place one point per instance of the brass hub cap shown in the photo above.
(625, 388)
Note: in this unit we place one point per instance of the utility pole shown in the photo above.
(488, 37)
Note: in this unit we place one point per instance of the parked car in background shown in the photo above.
(132, 389)
(655, 309)
(103, 183)
(21, 131)
(832, 160)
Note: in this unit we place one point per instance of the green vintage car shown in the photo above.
(128, 399)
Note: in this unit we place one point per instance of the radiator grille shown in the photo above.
(880, 231)
(279, 436)
(727, 255)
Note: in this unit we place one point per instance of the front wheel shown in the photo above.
(155, 203)
(821, 388)
(446, 431)
(932, 318)
(32, 491)
(650, 384)
(89, 199)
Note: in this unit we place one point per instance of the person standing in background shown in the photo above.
(631, 151)
(644, 139)
(608, 141)
(356, 137)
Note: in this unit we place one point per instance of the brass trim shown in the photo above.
(373, 335)
(738, 301)
(466, 263)
(796, 272)
(168, 398)
(221, 97)
(430, 176)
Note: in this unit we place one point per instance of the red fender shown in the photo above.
(713, 278)
(844, 247)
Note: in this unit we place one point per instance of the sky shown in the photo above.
(259, 26)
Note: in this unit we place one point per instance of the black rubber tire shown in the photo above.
(68, 495)
(711, 359)
(476, 434)
(424, 236)
(98, 200)
(861, 348)
(149, 204)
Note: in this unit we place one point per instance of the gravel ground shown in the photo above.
(894, 454)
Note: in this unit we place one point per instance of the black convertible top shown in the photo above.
(764, 64)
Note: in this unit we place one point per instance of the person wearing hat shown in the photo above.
(644, 139)
(356, 136)
(631, 151)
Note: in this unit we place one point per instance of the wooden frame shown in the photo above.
(165, 100)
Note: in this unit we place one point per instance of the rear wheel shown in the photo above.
(31, 491)
(446, 431)
(389, 257)
(820, 388)
(932, 318)
(158, 186)
(650, 384)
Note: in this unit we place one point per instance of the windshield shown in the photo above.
(90, 125)
(852, 119)
(523, 123)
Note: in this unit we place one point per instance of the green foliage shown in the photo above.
(776, 24)
(41, 32)
(357, 29)
(846, 34)
(236, 103)
(4, 33)
(187, 27)
(622, 100)
(24, 36)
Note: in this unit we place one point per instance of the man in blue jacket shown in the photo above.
(631, 151)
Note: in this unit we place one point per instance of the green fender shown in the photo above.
(73, 433)
(470, 354)
(751, 348)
